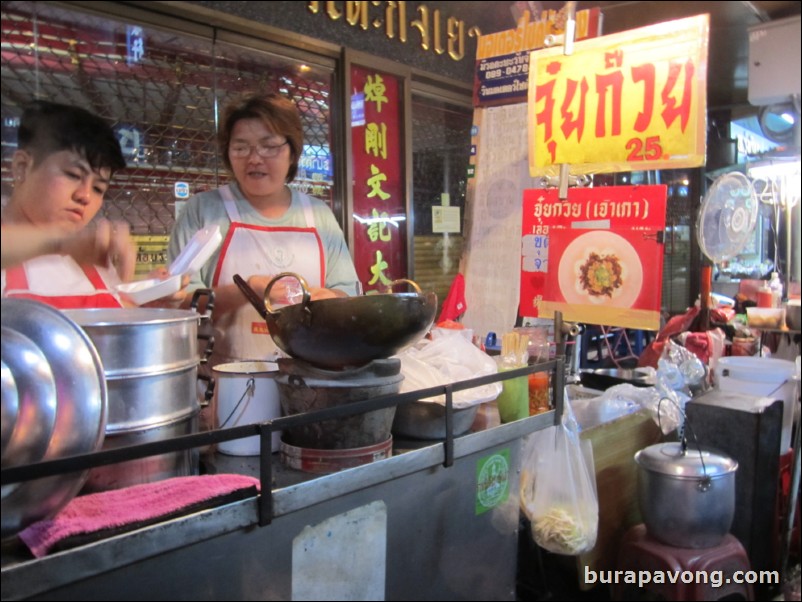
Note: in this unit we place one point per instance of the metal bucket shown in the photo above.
(246, 393)
(150, 361)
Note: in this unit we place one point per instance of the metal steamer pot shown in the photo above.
(686, 495)
(150, 360)
(345, 332)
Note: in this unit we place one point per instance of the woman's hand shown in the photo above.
(286, 291)
(319, 294)
(289, 291)
(176, 299)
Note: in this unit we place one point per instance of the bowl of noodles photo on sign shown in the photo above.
(600, 268)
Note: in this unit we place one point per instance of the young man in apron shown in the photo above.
(61, 170)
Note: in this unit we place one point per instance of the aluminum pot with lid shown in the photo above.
(686, 495)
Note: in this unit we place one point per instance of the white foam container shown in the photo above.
(762, 377)
(246, 393)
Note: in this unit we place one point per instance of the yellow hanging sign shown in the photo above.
(631, 101)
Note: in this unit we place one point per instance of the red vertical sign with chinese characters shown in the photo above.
(596, 257)
(379, 213)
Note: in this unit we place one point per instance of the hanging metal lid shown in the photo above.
(671, 459)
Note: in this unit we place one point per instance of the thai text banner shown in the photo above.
(624, 102)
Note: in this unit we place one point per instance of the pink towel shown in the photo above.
(91, 517)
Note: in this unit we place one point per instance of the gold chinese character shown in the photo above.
(375, 183)
(378, 269)
(378, 229)
(374, 91)
(376, 140)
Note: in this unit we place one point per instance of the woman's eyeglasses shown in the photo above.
(266, 151)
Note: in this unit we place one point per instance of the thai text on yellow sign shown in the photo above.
(624, 102)
(151, 253)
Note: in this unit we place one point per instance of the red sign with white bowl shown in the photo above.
(597, 257)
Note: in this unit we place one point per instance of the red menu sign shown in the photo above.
(379, 213)
(597, 257)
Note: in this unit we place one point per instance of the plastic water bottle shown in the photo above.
(776, 286)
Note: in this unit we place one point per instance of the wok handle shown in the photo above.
(412, 283)
(306, 299)
(251, 296)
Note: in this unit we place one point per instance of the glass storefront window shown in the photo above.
(441, 138)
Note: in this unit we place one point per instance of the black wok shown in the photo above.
(345, 332)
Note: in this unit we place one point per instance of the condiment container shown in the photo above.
(538, 393)
(765, 317)
(513, 403)
(765, 297)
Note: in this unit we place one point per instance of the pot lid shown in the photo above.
(669, 459)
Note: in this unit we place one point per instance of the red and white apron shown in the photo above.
(51, 291)
(250, 250)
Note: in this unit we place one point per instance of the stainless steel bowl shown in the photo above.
(36, 399)
(81, 402)
(426, 420)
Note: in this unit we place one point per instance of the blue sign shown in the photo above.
(181, 190)
(134, 44)
(357, 109)
(315, 160)
(130, 139)
(502, 79)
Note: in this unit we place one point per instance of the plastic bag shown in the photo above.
(593, 411)
(445, 360)
(558, 489)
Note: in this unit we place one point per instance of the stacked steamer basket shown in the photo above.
(150, 359)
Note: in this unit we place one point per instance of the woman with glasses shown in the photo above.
(267, 227)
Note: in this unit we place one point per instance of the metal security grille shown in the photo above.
(162, 91)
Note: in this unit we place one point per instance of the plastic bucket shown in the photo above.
(246, 393)
(762, 377)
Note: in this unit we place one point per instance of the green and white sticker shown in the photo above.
(492, 481)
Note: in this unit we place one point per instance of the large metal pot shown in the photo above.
(150, 361)
(686, 496)
(346, 331)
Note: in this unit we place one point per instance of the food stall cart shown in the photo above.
(438, 519)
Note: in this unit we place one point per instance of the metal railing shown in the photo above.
(265, 430)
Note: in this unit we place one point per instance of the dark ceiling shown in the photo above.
(729, 22)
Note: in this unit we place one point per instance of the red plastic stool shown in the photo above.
(641, 552)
